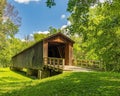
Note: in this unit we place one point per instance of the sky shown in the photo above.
(37, 18)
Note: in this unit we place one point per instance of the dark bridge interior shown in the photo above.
(56, 50)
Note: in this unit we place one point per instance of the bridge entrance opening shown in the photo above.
(56, 50)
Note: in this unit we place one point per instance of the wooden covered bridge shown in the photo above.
(50, 54)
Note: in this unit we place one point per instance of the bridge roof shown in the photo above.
(59, 34)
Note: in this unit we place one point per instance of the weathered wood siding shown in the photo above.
(30, 58)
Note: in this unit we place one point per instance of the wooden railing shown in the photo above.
(89, 63)
(54, 63)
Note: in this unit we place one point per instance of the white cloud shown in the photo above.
(63, 16)
(64, 26)
(31, 35)
(26, 1)
(68, 23)
(42, 32)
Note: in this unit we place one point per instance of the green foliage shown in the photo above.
(80, 25)
(79, 16)
(106, 35)
(99, 29)
(66, 84)
(38, 37)
(52, 30)
(78, 52)
(12, 47)
(9, 23)
(50, 3)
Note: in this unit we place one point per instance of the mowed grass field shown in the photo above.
(66, 84)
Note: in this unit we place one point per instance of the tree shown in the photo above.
(50, 3)
(99, 28)
(108, 35)
(38, 37)
(9, 22)
(52, 30)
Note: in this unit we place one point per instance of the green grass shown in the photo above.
(67, 84)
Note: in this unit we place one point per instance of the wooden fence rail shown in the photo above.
(54, 63)
(89, 63)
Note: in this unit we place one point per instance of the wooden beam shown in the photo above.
(45, 49)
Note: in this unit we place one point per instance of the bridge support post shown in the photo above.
(43, 73)
(39, 74)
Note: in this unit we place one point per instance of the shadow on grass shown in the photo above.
(73, 84)
(6, 87)
(3, 79)
(23, 73)
(3, 71)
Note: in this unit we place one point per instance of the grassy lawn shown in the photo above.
(67, 84)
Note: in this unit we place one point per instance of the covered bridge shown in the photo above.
(53, 52)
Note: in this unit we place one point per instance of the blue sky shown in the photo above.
(36, 17)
